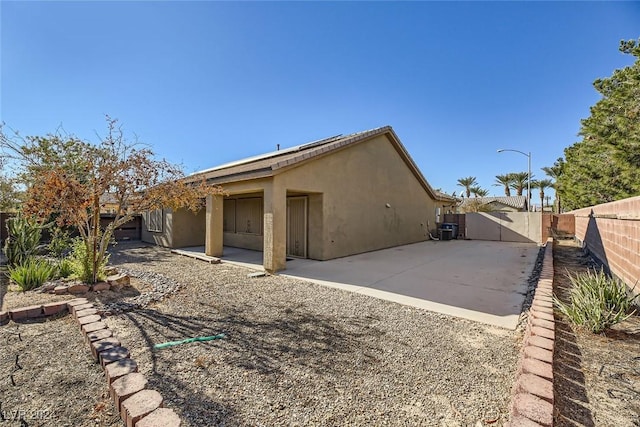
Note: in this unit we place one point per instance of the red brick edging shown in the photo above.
(532, 394)
(137, 405)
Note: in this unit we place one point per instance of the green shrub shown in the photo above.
(597, 301)
(23, 241)
(64, 268)
(60, 242)
(81, 263)
(32, 273)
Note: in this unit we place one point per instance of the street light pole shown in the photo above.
(528, 173)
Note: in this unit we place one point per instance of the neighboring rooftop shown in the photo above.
(517, 202)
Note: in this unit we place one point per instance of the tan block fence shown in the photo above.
(611, 233)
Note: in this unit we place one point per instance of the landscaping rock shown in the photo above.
(534, 408)
(89, 319)
(100, 334)
(85, 312)
(161, 417)
(126, 386)
(538, 353)
(533, 384)
(60, 290)
(118, 281)
(54, 308)
(162, 287)
(80, 307)
(77, 301)
(4, 317)
(110, 271)
(78, 288)
(139, 405)
(92, 327)
(102, 345)
(120, 368)
(101, 286)
(26, 312)
(49, 286)
(113, 355)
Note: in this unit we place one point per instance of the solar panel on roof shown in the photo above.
(319, 142)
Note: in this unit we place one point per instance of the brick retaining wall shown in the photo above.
(532, 395)
(137, 405)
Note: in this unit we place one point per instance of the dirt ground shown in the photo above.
(48, 378)
(597, 377)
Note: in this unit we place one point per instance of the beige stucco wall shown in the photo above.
(243, 240)
(315, 240)
(163, 238)
(360, 199)
(188, 228)
(247, 241)
(356, 184)
(504, 226)
(180, 228)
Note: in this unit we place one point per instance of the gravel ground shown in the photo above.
(48, 378)
(297, 353)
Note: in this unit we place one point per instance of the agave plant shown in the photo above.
(597, 301)
(23, 241)
(32, 273)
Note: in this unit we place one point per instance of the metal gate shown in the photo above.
(297, 226)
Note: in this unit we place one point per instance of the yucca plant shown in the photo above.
(32, 273)
(597, 301)
(23, 241)
(60, 243)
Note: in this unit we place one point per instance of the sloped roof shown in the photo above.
(444, 196)
(517, 202)
(272, 163)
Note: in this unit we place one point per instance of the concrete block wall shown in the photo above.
(561, 224)
(523, 227)
(611, 232)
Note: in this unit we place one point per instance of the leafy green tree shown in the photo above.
(542, 185)
(519, 181)
(467, 183)
(476, 205)
(554, 172)
(67, 177)
(605, 165)
(478, 191)
(9, 194)
(505, 182)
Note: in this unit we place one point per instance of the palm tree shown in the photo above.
(554, 172)
(467, 183)
(519, 181)
(505, 181)
(477, 191)
(542, 185)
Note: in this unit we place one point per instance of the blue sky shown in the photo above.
(206, 83)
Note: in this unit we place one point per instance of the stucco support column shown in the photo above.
(213, 241)
(275, 227)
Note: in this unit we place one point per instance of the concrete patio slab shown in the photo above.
(482, 281)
